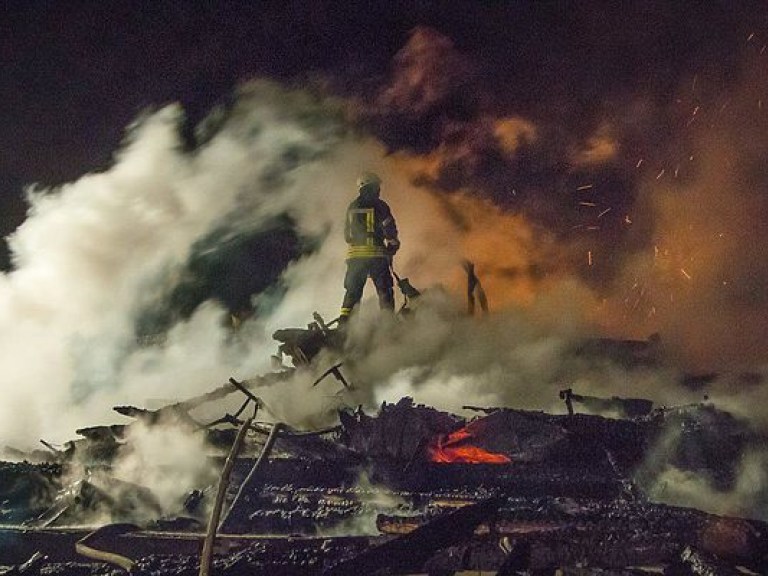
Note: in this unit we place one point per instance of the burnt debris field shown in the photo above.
(404, 489)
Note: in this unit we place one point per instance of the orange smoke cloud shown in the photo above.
(648, 220)
(519, 264)
(511, 131)
(426, 70)
(600, 148)
(701, 281)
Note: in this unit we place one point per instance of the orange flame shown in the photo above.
(452, 449)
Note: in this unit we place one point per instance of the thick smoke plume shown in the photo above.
(94, 254)
(649, 200)
(575, 231)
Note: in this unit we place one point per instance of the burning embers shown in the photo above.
(458, 447)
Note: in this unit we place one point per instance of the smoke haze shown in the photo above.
(576, 228)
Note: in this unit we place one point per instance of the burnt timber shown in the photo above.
(375, 495)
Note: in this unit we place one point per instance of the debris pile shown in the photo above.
(408, 489)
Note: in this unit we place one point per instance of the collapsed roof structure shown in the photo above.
(406, 490)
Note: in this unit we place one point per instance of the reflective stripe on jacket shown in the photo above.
(368, 225)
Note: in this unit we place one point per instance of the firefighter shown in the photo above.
(371, 234)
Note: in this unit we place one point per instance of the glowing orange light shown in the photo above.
(452, 448)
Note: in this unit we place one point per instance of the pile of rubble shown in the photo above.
(407, 490)
(562, 499)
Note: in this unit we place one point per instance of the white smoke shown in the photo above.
(95, 253)
(159, 457)
(663, 481)
(92, 254)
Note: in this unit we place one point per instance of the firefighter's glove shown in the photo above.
(392, 247)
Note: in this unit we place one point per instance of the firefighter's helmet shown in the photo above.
(368, 180)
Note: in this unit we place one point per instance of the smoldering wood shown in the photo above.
(564, 497)
(409, 552)
(625, 407)
(98, 495)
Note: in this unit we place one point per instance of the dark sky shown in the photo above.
(74, 73)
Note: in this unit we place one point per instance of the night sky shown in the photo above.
(75, 74)
(563, 112)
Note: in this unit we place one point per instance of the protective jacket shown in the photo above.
(370, 229)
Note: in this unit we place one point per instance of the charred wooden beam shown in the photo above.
(411, 551)
(335, 370)
(614, 534)
(627, 407)
(247, 486)
(110, 434)
(245, 391)
(213, 522)
(152, 417)
(227, 389)
(231, 418)
(180, 410)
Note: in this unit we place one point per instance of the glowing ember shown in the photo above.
(452, 448)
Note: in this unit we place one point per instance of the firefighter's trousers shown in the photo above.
(358, 272)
